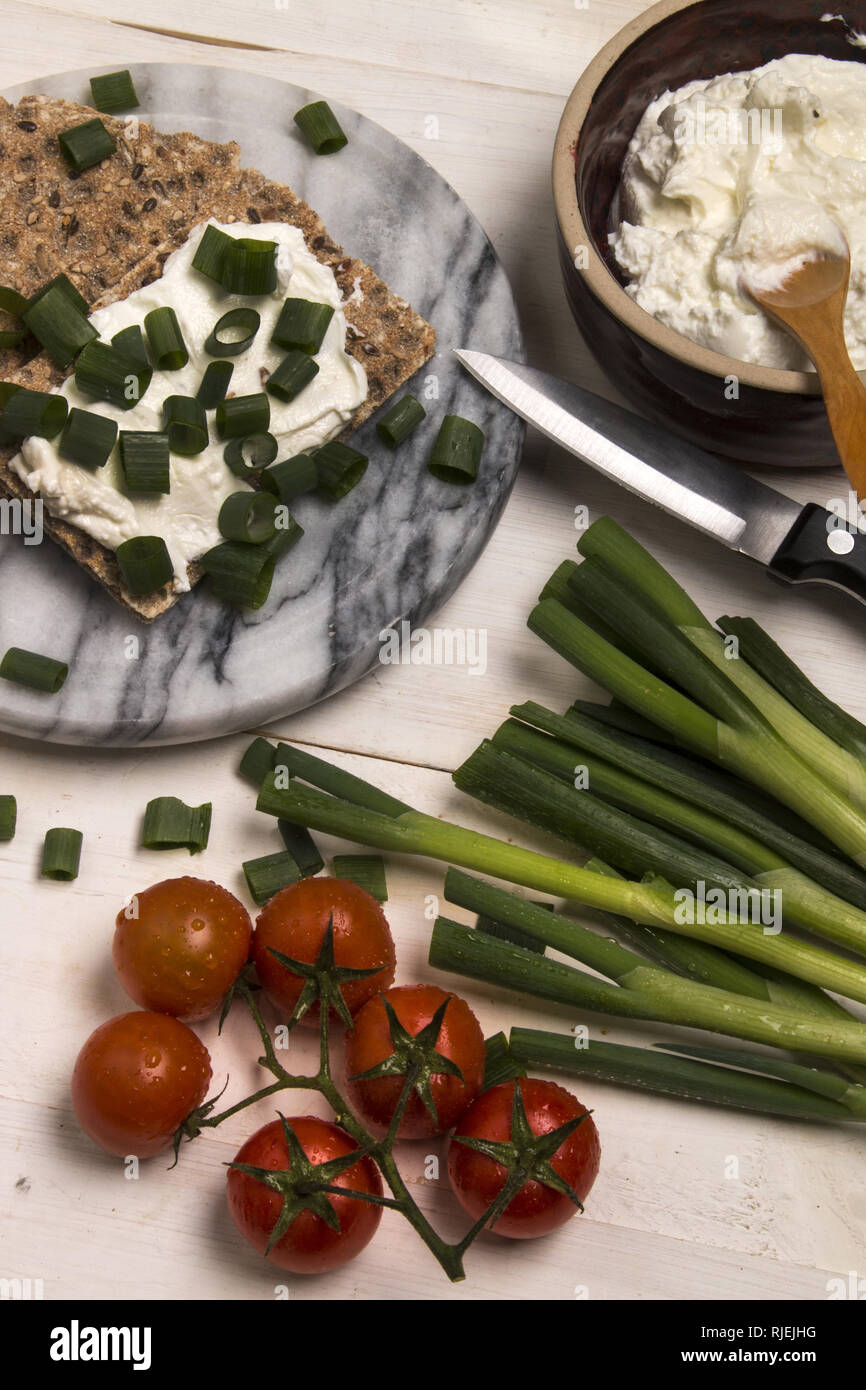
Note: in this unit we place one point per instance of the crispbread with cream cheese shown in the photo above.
(384, 333)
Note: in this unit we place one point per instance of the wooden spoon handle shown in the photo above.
(845, 399)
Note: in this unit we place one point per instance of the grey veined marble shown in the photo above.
(394, 549)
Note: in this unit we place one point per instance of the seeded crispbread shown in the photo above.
(384, 333)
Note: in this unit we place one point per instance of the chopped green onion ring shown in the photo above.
(243, 319)
(144, 458)
(241, 416)
(86, 144)
(340, 468)
(61, 854)
(302, 324)
(248, 517)
(457, 451)
(248, 455)
(87, 438)
(37, 672)
(130, 342)
(113, 92)
(59, 326)
(107, 375)
(269, 874)
(295, 372)
(185, 423)
(145, 564)
(210, 256)
(27, 412)
(63, 283)
(398, 423)
(250, 266)
(301, 846)
(8, 818)
(171, 824)
(366, 870)
(167, 348)
(321, 127)
(214, 384)
(258, 760)
(291, 478)
(240, 575)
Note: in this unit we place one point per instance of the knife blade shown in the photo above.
(801, 544)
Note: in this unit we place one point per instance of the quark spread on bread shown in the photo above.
(746, 175)
(186, 518)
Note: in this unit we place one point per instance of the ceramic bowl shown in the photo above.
(776, 417)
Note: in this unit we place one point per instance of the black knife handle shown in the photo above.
(814, 552)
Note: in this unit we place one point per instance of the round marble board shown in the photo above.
(395, 548)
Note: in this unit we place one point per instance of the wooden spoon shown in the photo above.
(810, 304)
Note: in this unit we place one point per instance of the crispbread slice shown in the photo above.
(385, 334)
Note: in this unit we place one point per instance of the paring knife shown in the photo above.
(799, 544)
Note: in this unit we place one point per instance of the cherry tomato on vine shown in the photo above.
(459, 1041)
(310, 1244)
(294, 922)
(179, 946)
(477, 1179)
(136, 1079)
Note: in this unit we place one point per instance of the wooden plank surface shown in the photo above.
(664, 1219)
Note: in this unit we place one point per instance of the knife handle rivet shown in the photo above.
(840, 541)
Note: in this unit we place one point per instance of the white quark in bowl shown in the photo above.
(741, 178)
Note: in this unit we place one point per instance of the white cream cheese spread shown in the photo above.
(186, 517)
(746, 175)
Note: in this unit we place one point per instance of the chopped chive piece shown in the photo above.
(15, 304)
(185, 423)
(250, 266)
(171, 824)
(86, 144)
(240, 575)
(266, 876)
(249, 517)
(340, 468)
(61, 854)
(302, 324)
(258, 760)
(61, 282)
(167, 348)
(145, 564)
(114, 91)
(457, 451)
(287, 534)
(246, 456)
(367, 870)
(321, 127)
(398, 423)
(9, 818)
(130, 342)
(301, 846)
(214, 384)
(500, 1065)
(210, 256)
(291, 478)
(87, 438)
(243, 415)
(27, 412)
(7, 391)
(294, 373)
(505, 932)
(243, 321)
(59, 325)
(30, 669)
(144, 458)
(108, 375)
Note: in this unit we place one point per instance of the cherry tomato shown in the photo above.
(179, 946)
(460, 1040)
(294, 922)
(478, 1179)
(310, 1245)
(136, 1079)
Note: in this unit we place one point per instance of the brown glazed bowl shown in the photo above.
(779, 417)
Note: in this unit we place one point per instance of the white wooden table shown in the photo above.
(692, 1202)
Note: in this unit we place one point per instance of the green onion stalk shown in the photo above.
(395, 827)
